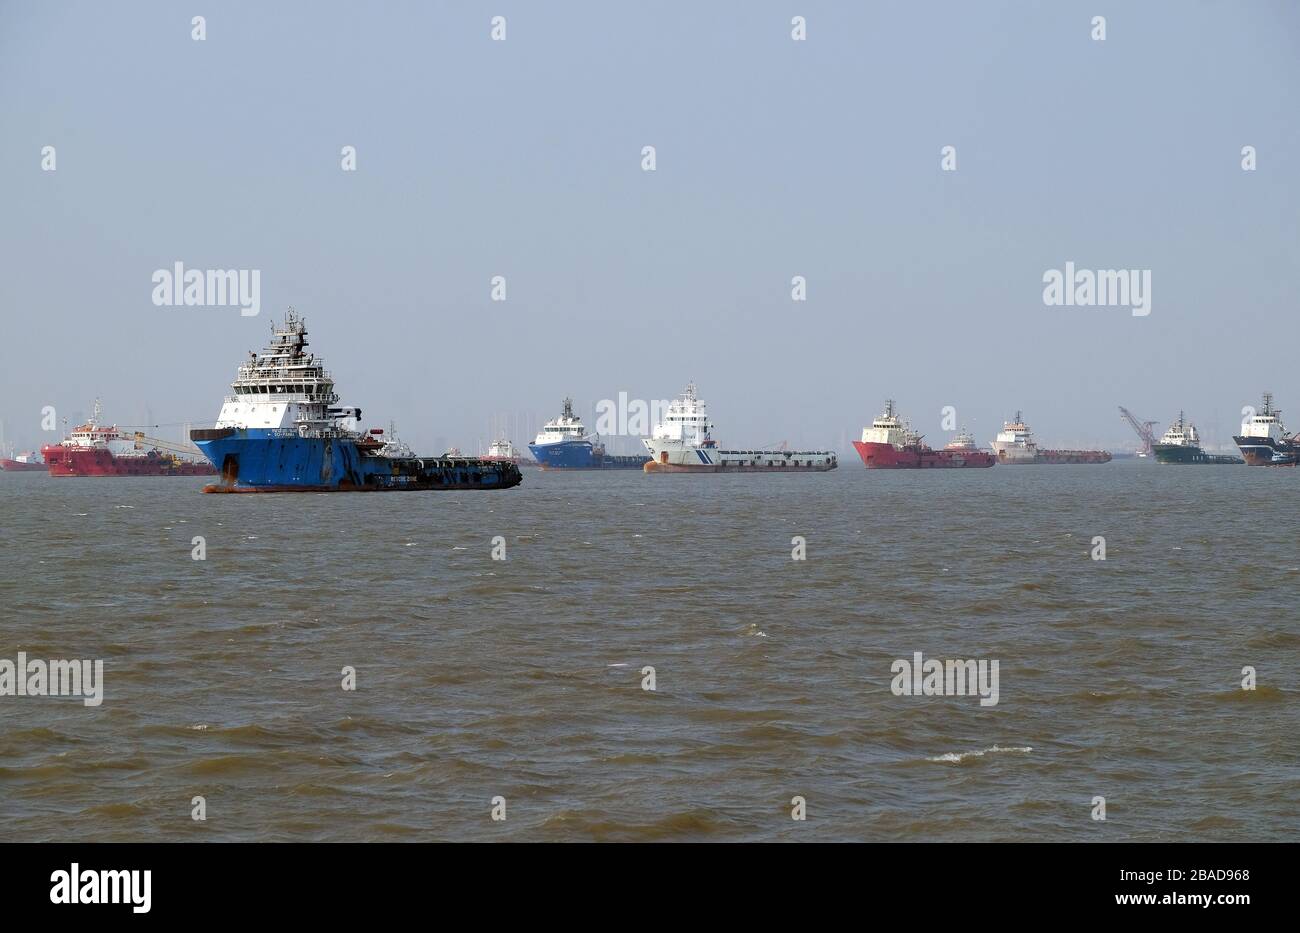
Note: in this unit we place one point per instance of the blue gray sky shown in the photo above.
(775, 158)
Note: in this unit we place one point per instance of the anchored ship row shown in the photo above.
(891, 444)
(282, 429)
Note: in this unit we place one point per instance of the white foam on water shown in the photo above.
(962, 756)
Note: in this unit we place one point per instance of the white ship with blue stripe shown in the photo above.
(683, 443)
(564, 444)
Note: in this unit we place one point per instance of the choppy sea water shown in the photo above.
(522, 678)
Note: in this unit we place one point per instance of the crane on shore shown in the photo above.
(1142, 428)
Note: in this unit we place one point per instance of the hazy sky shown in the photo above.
(775, 158)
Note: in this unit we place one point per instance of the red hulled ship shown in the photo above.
(29, 462)
(891, 445)
(95, 450)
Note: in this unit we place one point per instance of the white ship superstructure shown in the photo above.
(564, 429)
(1181, 433)
(1265, 423)
(93, 435)
(502, 449)
(394, 446)
(1015, 442)
(963, 441)
(683, 442)
(887, 429)
(285, 391)
(1263, 440)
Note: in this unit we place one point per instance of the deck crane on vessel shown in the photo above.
(141, 440)
(1143, 429)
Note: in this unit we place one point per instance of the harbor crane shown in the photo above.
(1143, 429)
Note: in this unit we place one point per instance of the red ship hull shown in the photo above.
(889, 457)
(89, 461)
(21, 466)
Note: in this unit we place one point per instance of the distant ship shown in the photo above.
(889, 444)
(390, 445)
(29, 462)
(280, 432)
(683, 443)
(1015, 445)
(1264, 441)
(95, 449)
(563, 444)
(1181, 444)
(503, 450)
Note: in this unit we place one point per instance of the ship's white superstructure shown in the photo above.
(1266, 422)
(394, 446)
(1181, 433)
(888, 428)
(502, 449)
(567, 427)
(683, 442)
(285, 391)
(963, 441)
(93, 435)
(1015, 441)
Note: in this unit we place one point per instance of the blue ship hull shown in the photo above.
(580, 455)
(254, 460)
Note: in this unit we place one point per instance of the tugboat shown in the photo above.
(281, 432)
(889, 444)
(683, 443)
(1264, 442)
(1181, 444)
(1016, 445)
(563, 444)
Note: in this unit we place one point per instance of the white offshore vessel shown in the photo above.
(683, 443)
(1015, 444)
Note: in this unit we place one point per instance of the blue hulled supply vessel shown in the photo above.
(281, 432)
(563, 444)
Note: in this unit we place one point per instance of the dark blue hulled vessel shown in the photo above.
(563, 444)
(280, 432)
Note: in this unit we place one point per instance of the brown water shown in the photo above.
(478, 678)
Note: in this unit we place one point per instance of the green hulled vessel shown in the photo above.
(1181, 444)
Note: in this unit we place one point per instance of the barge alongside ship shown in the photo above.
(683, 443)
(889, 444)
(1015, 445)
(280, 432)
(96, 449)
